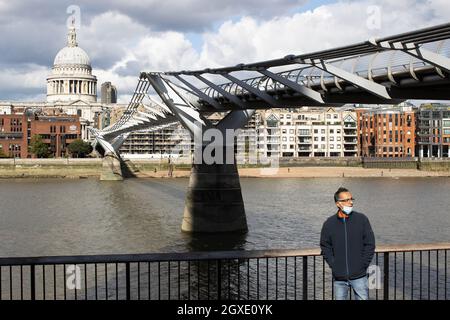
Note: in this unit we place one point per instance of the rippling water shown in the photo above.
(69, 217)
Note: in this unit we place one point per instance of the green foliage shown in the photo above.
(38, 147)
(2, 154)
(80, 148)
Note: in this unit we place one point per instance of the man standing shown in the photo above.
(348, 246)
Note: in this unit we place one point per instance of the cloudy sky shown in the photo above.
(123, 38)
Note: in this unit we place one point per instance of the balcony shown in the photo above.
(350, 134)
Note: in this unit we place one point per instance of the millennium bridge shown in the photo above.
(413, 65)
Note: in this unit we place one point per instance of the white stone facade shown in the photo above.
(71, 78)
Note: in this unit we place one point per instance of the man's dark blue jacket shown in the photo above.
(348, 245)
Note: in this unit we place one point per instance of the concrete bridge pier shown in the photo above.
(214, 200)
(111, 168)
(112, 163)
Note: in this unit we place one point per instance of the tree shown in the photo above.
(2, 154)
(38, 147)
(79, 148)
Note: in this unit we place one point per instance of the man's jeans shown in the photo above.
(359, 286)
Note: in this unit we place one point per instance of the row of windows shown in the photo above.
(370, 124)
(323, 131)
(436, 132)
(306, 140)
(66, 136)
(316, 146)
(434, 140)
(323, 146)
(393, 149)
(14, 147)
(396, 140)
(435, 114)
(275, 123)
(16, 122)
(306, 131)
(395, 132)
(62, 129)
(16, 129)
(434, 123)
(302, 116)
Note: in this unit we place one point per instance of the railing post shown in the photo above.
(33, 282)
(219, 279)
(305, 278)
(386, 276)
(127, 280)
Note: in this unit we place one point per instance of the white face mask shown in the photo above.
(347, 210)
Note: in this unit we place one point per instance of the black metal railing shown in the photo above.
(397, 272)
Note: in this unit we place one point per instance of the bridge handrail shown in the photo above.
(206, 255)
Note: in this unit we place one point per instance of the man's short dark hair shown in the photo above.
(340, 190)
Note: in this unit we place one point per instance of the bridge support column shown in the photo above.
(111, 168)
(112, 163)
(214, 200)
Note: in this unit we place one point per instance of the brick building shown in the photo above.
(388, 133)
(56, 130)
(12, 138)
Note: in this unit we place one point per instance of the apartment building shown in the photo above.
(387, 132)
(57, 130)
(433, 131)
(307, 132)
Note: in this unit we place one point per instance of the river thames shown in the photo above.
(86, 216)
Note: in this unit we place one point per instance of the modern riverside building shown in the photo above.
(387, 132)
(171, 141)
(433, 132)
(303, 132)
(307, 132)
(18, 129)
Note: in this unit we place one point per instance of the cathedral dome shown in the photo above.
(72, 55)
(71, 78)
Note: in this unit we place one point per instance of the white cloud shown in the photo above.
(186, 15)
(109, 36)
(165, 51)
(328, 26)
(26, 80)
